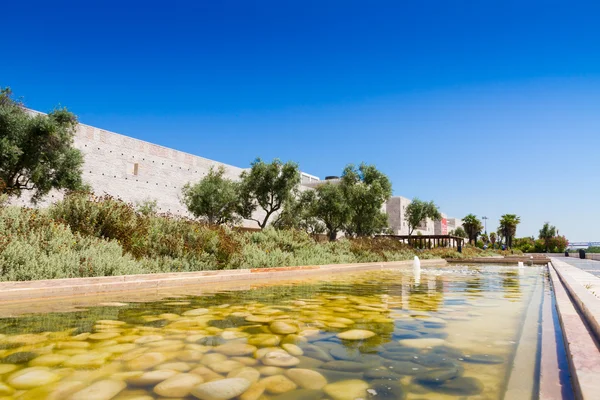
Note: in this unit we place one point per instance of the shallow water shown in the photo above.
(446, 334)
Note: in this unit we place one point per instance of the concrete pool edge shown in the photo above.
(53, 288)
(581, 346)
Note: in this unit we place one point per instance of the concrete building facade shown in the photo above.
(136, 171)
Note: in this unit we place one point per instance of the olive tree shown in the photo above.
(268, 186)
(36, 151)
(299, 213)
(418, 211)
(331, 207)
(214, 199)
(366, 189)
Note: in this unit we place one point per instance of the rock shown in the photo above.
(405, 334)
(213, 358)
(235, 349)
(300, 394)
(282, 328)
(207, 374)
(6, 368)
(254, 393)
(437, 376)
(175, 366)
(459, 387)
(6, 390)
(86, 360)
(149, 378)
(345, 366)
(118, 348)
(101, 390)
(179, 385)
(292, 349)
(20, 357)
(278, 384)
(146, 361)
(309, 363)
(196, 312)
(347, 390)
(279, 359)
(381, 372)
(264, 340)
(423, 343)
(356, 334)
(32, 377)
(190, 355)
(225, 367)
(345, 353)
(483, 359)
(306, 378)
(248, 361)
(48, 360)
(103, 336)
(403, 367)
(270, 371)
(258, 318)
(72, 345)
(250, 374)
(317, 353)
(335, 376)
(223, 389)
(387, 390)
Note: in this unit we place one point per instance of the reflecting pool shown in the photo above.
(450, 333)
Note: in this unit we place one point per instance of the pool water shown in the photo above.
(446, 334)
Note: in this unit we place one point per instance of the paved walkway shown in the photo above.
(591, 266)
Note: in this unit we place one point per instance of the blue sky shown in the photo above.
(486, 107)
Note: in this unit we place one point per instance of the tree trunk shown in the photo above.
(332, 235)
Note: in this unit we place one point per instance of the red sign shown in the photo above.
(444, 226)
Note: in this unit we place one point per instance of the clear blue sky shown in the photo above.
(486, 107)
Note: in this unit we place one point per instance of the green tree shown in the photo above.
(299, 213)
(36, 151)
(332, 208)
(268, 186)
(508, 227)
(366, 190)
(485, 238)
(418, 211)
(493, 239)
(546, 233)
(214, 199)
(460, 232)
(473, 227)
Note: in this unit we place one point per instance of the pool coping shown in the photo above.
(577, 311)
(54, 288)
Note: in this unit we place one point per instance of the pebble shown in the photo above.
(356, 334)
(278, 384)
(146, 361)
(282, 328)
(250, 374)
(483, 359)
(437, 376)
(101, 390)
(235, 349)
(347, 390)
(179, 385)
(32, 377)
(306, 378)
(423, 343)
(196, 312)
(269, 371)
(345, 366)
(175, 366)
(223, 389)
(150, 378)
(292, 349)
(254, 392)
(48, 360)
(279, 359)
(462, 386)
(6, 368)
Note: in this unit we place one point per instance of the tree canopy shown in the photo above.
(508, 227)
(268, 186)
(547, 233)
(332, 208)
(36, 151)
(366, 189)
(299, 213)
(214, 199)
(473, 227)
(418, 211)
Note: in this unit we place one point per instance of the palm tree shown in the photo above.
(472, 225)
(546, 233)
(508, 227)
(493, 239)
